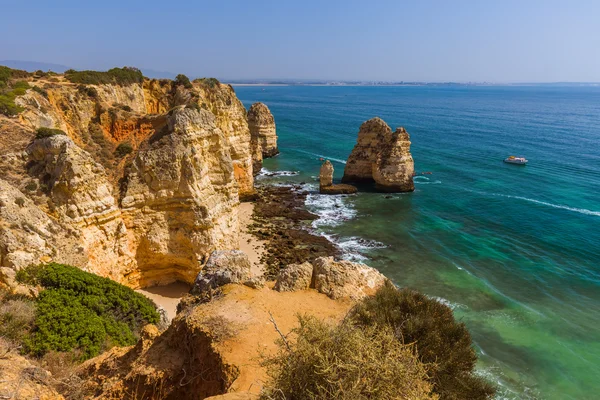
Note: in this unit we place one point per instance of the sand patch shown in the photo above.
(167, 296)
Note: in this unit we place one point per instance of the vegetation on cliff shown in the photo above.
(44, 132)
(82, 311)
(345, 362)
(117, 76)
(441, 342)
(10, 88)
(398, 344)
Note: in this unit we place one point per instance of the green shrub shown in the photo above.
(31, 186)
(123, 149)
(119, 76)
(210, 82)
(7, 104)
(440, 340)
(40, 91)
(88, 91)
(183, 80)
(82, 311)
(9, 90)
(344, 362)
(20, 87)
(44, 132)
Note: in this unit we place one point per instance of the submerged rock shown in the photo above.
(381, 156)
(326, 185)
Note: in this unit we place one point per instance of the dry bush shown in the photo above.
(344, 362)
(440, 340)
(17, 315)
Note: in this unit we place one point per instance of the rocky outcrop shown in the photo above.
(294, 277)
(326, 185)
(263, 134)
(338, 279)
(179, 199)
(26, 232)
(181, 363)
(230, 117)
(223, 267)
(22, 379)
(77, 184)
(381, 156)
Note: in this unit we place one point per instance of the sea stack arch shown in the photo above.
(381, 156)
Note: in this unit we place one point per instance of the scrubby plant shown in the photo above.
(17, 315)
(9, 90)
(88, 91)
(40, 91)
(210, 82)
(119, 76)
(31, 186)
(440, 340)
(344, 362)
(123, 149)
(82, 311)
(44, 132)
(183, 80)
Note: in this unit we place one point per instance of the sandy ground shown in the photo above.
(248, 312)
(168, 296)
(249, 244)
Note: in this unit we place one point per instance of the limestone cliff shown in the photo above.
(263, 134)
(381, 156)
(230, 117)
(142, 187)
(179, 198)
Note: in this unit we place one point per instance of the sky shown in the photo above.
(386, 40)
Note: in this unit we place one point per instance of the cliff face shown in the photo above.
(382, 156)
(179, 200)
(145, 213)
(230, 117)
(263, 134)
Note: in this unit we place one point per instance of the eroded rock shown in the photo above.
(339, 279)
(326, 185)
(223, 267)
(263, 134)
(381, 156)
(294, 277)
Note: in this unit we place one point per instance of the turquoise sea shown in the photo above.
(514, 250)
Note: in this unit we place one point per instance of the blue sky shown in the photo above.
(498, 41)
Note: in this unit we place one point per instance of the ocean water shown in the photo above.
(515, 250)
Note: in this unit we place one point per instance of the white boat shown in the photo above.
(516, 160)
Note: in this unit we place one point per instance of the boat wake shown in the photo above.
(559, 206)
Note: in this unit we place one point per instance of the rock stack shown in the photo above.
(263, 135)
(381, 156)
(326, 185)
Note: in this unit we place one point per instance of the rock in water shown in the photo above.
(326, 174)
(326, 185)
(263, 135)
(383, 157)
